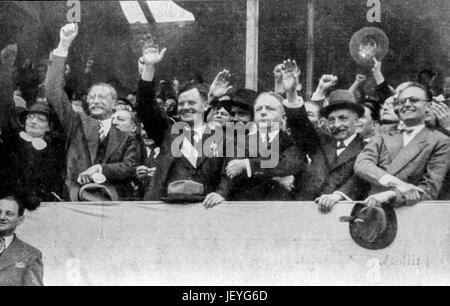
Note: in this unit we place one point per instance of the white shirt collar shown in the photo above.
(106, 125)
(8, 241)
(349, 140)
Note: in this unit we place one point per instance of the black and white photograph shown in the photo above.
(227, 143)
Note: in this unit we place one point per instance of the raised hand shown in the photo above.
(67, 35)
(220, 85)
(290, 75)
(151, 56)
(379, 78)
(9, 54)
(442, 113)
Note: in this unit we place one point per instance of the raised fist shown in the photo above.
(360, 78)
(327, 81)
(68, 34)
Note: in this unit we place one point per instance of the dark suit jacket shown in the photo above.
(327, 174)
(158, 127)
(83, 139)
(261, 186)
(21, 265)
(424, 162)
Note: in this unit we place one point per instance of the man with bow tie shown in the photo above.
(182, 145)
(408, 163)
(97, 151)
(330, 177)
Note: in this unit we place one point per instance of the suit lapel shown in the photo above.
(14, 253)
(114, 141)
(394, 143)
(408, 153)
(353, 149)
(91, 128)
(330, 153)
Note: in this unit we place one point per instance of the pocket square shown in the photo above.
(20, 265)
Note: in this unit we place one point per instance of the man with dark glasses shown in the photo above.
(408, 163)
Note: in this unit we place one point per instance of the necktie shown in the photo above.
(340, 148)
(101, 132)
(2, 245)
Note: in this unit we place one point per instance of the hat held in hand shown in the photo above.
(372, 228)
(184, 191)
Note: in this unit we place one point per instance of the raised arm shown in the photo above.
(54, 82)
(7, 110)
(155, 121)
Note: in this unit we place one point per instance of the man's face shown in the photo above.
(365, 125)
(239, 114)
(42, 72)
(412, 106)
(269, 110)
(342, 124)
(123, 121)
(101, 102)
(37, 125)
(313, 113)
(387, 111)
(191, 106)
(9, 217)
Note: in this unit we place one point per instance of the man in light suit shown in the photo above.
(20, 263)
(97, 151)
(407, 164)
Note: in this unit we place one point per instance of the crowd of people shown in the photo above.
(78, 141)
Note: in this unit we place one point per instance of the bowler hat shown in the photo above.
(37, 108)
(184, 191)
(367, 43)
(97, 193)
(373, 228)
(342, 99)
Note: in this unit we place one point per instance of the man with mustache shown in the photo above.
(330, 177)
(407, 164)
(98, 152)
(183, 160)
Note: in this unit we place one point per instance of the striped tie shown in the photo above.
(2, 245)
(101, 132)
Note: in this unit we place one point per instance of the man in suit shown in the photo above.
(407, 164)
(330, 177)
(20, 263)
(182, 145)
(273, 116)
(97, 151)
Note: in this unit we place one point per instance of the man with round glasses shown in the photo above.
(408, 163)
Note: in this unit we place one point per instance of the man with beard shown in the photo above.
(97, 150)
(407, 164)
(330, 177)
(182, 160)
